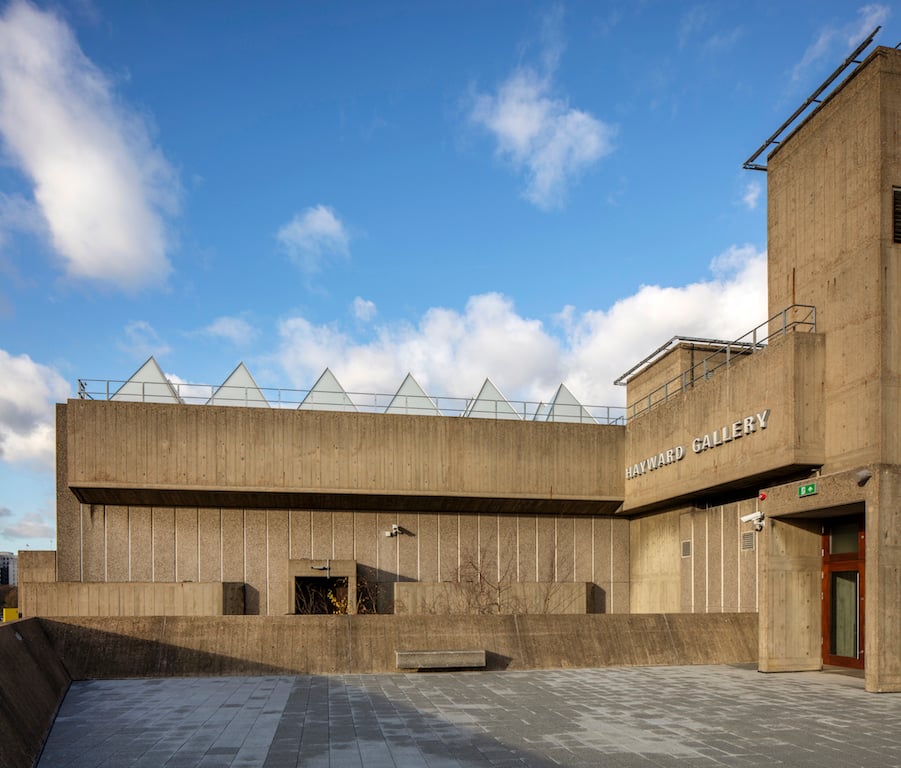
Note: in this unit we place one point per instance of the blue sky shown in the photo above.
(528, 191)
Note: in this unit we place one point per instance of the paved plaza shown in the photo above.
(690, 717)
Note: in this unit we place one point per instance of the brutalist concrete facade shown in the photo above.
(725, 495)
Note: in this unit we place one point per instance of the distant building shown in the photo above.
(9, 568)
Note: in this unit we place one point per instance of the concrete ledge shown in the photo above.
(105, 648)
(440, 659)
(33, 681)
(110, 598)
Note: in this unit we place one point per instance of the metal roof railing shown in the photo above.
(365, 402)
(796, 318)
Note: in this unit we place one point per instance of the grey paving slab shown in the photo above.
(687, 717)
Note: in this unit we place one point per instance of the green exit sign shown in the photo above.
(807, 490)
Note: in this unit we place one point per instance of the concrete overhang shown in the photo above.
(752, 424)
(161, 496)
(817, 496)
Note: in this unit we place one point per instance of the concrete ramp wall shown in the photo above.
(33, 682)
(241, 645)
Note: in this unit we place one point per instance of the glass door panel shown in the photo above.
(844, 631)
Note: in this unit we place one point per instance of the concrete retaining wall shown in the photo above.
(186, 646)
(33, 681)
(81, 598)
(461, 597)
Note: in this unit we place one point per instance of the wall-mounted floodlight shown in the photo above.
(862, 476)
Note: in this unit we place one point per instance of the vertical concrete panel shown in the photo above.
(140, 543)
(469, 548)
(256, 563)
(408, 547)
(731, 552)
(366, 544)
(687, 564)
(387, 546)
(117, 543)
(233, 545)
(618, 598)
(527, 535)
(602, 550)
(748, 566)
(68, 515)
(209, 533)
(488, 544)
(301, 534)
(565, 549)
(748, 574)
(546, 548)
(427, 541)
(93, 532)
(508, 554)
(186, 544)
(278, 587)
(699, 556)
(715, 560)
(163, 521)
(582, 558)
(619, 537)
(322, 535)
(790, 615)
(448, 547)
(343, 527)
(620, 548)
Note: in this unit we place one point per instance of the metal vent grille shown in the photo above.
(747, 540)
(686, 548)
(896, 215)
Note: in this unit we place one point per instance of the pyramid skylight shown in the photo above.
(411, 399)
(327, 395)
(147, 385)
(239, 389)
(565, 407)
(491, 404)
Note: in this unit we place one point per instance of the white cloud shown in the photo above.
(551, 142)
(30, 526)
(450, 353)
(313, 235)
(142, 341)
(234, 329)
(833, 41)
(364, 309)
(193, 394)
(752, 195)
(28, 392)
(103, 189)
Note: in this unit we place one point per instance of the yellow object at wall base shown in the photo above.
(10, 614)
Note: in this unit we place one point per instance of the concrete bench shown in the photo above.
(467, 659)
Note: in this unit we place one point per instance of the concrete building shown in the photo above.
(763, 475)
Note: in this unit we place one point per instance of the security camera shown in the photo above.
(395, 530)
(862, 476)
(753, 517)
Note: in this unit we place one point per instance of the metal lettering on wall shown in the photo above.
(728, 433)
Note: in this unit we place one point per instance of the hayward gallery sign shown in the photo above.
(743, 427)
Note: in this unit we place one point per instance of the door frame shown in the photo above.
(843, 563)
